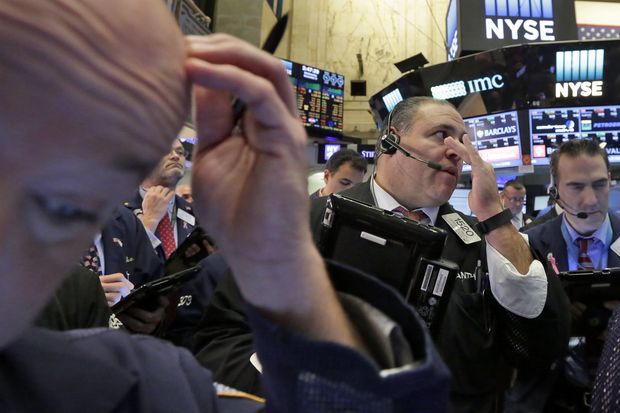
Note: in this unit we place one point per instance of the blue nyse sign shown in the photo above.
(490, 24)
(579, 73)
(531, 20)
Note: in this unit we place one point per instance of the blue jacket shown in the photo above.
(128, 250)
(194, 296)
(547, 237)
(108, 371)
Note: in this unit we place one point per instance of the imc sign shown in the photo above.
(491, 24)
(462, 88)
(530, 20)
(579, 73)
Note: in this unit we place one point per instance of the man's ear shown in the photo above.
(326, 175)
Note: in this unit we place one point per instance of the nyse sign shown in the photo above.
(576, 89)
(529, 29)
(529, 20)
(579, 73)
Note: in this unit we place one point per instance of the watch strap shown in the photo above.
(494, 222)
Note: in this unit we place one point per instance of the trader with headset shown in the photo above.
(584, 237)
(493, 322)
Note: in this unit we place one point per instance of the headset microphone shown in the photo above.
(387, 141)
(553, 191)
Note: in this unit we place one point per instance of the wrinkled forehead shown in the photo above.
(432, 115)
(81, 70)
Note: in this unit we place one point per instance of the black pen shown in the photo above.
(271, 44)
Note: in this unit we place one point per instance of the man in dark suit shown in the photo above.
(482, 337)
(479, 349)
(584, 237)
(126, 260)
(167, 217)
(513, 198)
(580, 170)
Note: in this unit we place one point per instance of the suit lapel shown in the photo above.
(113, 251)
(613, 260)
(361, 192)
(555, 240)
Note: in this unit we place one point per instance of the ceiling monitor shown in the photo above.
(551, 127)
(320, 97)
(497, 139)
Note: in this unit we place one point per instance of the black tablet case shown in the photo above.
(401, 252)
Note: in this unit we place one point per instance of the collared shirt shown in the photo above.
(386, 201)
(517, 220)
(155, 242)
(522, 294)
(598, 247)
(100, 252)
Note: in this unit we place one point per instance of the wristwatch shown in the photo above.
(494, 222)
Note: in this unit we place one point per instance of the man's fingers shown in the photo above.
(226, 49)
(257, 93)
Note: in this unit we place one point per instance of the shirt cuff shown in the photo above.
(522, 294)
(155, 242)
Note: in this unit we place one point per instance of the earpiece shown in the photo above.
(386, 145)
(553, 192)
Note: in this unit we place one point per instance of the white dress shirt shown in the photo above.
(522, 294)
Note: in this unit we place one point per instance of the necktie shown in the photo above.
(606, 393)
(416, 215)
(166, 235)
(91, 260)
(584, 262)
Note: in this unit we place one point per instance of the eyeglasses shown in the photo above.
(516, 199)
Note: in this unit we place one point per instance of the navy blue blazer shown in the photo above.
(103, 371)
(194, 297)
(184, 228)
(128, 250)
(547, 237)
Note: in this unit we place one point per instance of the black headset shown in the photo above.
(553, 192)
(386, 142)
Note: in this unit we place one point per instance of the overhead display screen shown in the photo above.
(320, 96)
(542, 75)
(549, 128)
(497, 139)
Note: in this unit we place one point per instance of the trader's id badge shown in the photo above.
(461, 228)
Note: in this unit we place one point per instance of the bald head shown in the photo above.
(93, 94)
(113, 65)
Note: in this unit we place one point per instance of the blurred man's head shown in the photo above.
(513, 196)
(580, 171)
(91, 101)
(170, 169)
(344, 169)
(185, 192)
(422, 124)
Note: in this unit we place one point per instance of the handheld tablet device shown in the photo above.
(146, 296)
(588, 285)
(401, 252)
